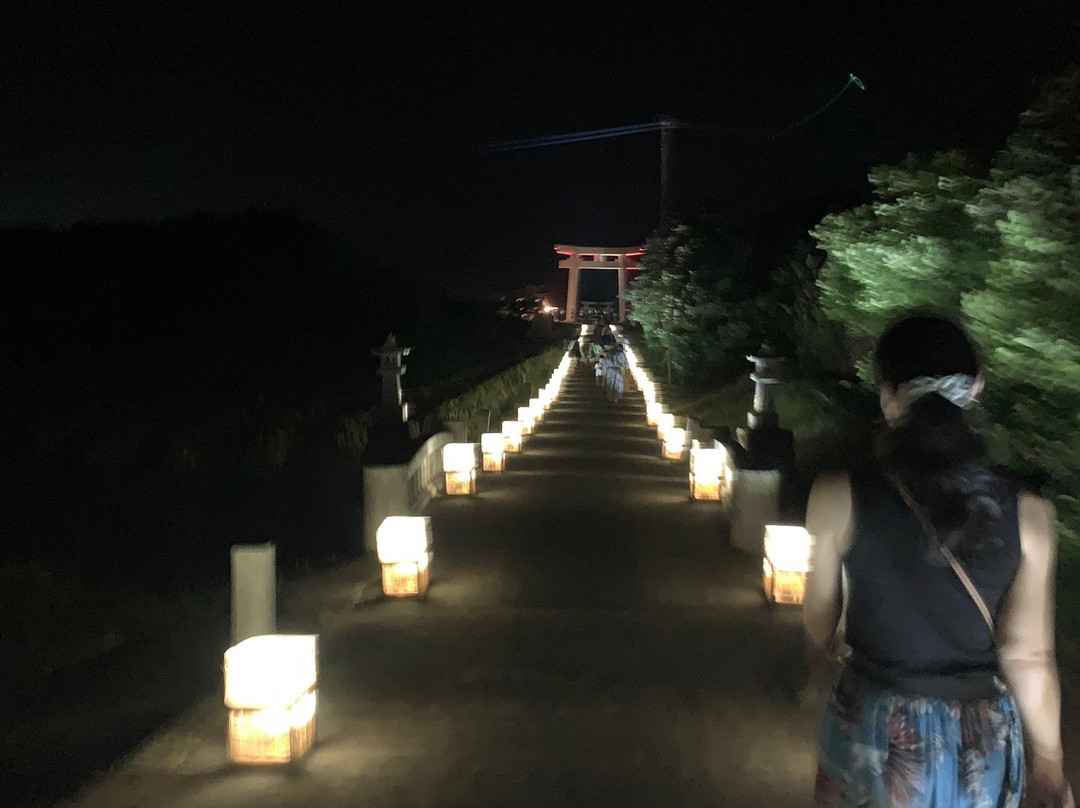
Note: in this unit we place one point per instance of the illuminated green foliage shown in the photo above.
(1024, 315)
(694, 301)
(914, 246)
(1000, 252)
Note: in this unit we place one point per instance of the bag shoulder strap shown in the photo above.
(928, 528)
(970, 587)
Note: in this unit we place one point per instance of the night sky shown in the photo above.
(369, 118)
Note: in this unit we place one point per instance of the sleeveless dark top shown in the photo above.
(912, 626)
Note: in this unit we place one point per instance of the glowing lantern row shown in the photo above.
(647, 388)
(491, 447)
(270, 691)
(786, 562)
(404, 547)
(459, 467)
(711, 473)
(528, 416)
(653, 411)
(512, 432)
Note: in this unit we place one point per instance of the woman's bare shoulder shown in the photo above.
(1038, 524)
(831, 485)
(828, 511)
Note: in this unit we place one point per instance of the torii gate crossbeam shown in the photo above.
(576, 258)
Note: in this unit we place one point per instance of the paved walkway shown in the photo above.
(589, 640)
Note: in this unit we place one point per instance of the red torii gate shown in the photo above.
(578, 258)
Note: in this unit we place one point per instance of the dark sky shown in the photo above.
(367, 117)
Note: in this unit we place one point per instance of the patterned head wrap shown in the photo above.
(959, 388)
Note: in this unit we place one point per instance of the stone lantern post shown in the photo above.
(766, 376)
(391, 369)
(769, 452)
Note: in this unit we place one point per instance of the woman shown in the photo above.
(920, 715)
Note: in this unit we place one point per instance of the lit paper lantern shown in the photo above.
(404, 547)
(491, 446)
(270, 691)
(786, 562)
(537, 407)
(525, 416)
(459, 467)
(711, 474)
(512, 432)
(653, 410)
(664, 422)
(674, 443)
(407, 578)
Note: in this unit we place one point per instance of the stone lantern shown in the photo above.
(391, 369)
(769, 451)
(766, 375)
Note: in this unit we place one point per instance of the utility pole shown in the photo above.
(667, 129)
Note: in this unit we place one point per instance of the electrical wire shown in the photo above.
(853, 81)
(571, 137)
(660, 124)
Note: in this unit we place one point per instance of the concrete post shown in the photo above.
(254, 590)
(622, 288)
(755, 503)
(572, 290)
(386, 493)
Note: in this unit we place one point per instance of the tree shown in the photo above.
(694, 300)
(999, 252)
(1024, 313)
(914, 246)
(798, 326)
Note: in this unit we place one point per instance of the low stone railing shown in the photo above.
(403, 489)
(425, 471)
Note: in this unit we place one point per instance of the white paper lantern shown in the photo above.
(512, 432)
(786, 562)
(491, 446)
(407, 578)
(459, 466)
(664, 422)
(270, 691)
(674, 443)
(403, 538)
(271, 670)
(711, 473)
(525, 416)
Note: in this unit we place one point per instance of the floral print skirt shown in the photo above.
(879, 749)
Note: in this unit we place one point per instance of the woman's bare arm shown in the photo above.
(828, 519)
(1026, 649)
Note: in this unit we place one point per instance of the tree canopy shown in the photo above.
(695, 299)
(1000, 252)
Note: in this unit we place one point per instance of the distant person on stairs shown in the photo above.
(615, 372)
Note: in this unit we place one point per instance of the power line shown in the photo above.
(661, 125)
(571, 137)
(853, 81)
